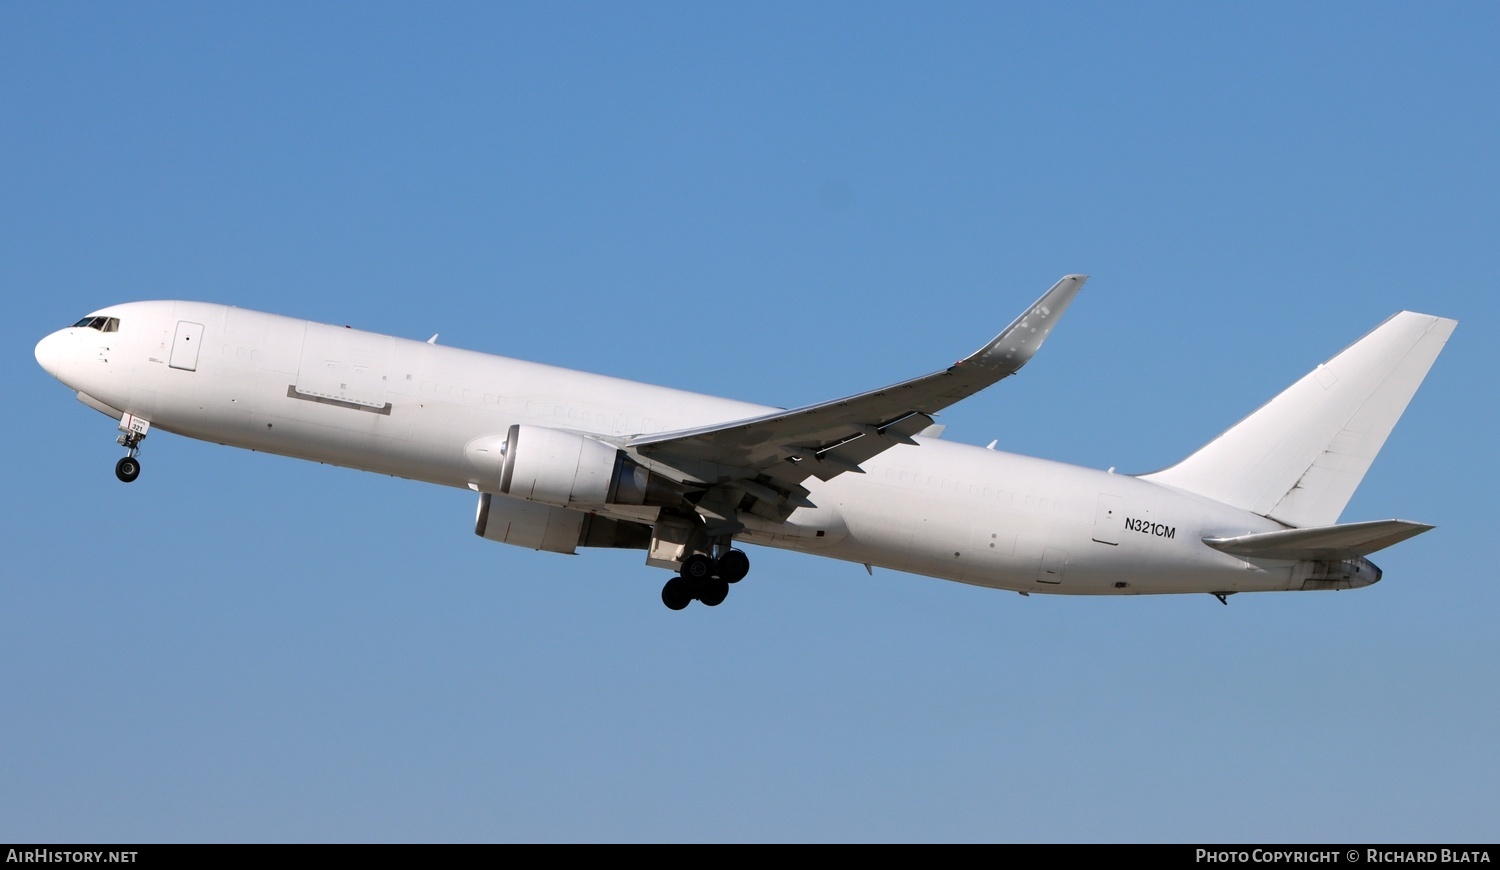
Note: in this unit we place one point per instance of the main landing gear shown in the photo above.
(132, 432)
(705, 578)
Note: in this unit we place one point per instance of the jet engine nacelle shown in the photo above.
(554, 529)
(557, 467)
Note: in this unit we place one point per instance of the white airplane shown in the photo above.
(564, 459)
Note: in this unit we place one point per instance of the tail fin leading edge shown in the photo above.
(1299, 458)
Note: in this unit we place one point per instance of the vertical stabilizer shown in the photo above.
(1300, 457)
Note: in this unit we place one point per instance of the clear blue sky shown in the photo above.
(782, 203)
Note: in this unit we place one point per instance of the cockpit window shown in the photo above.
(103, 324)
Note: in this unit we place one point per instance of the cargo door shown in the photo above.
(344, 367)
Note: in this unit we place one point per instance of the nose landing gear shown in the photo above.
(132, 432)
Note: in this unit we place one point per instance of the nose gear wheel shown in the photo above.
(129, 468)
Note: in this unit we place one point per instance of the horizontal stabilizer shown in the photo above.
(1346, 541)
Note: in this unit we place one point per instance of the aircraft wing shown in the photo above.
(824, 440)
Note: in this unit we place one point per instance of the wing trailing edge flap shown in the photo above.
(1345, 541)
(832, 459)
(782, 449)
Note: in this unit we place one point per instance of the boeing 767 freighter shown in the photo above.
(562, 459)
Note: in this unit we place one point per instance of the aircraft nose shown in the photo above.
(49, 353)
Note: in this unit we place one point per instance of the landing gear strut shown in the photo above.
(705, 578)
(132, 432)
